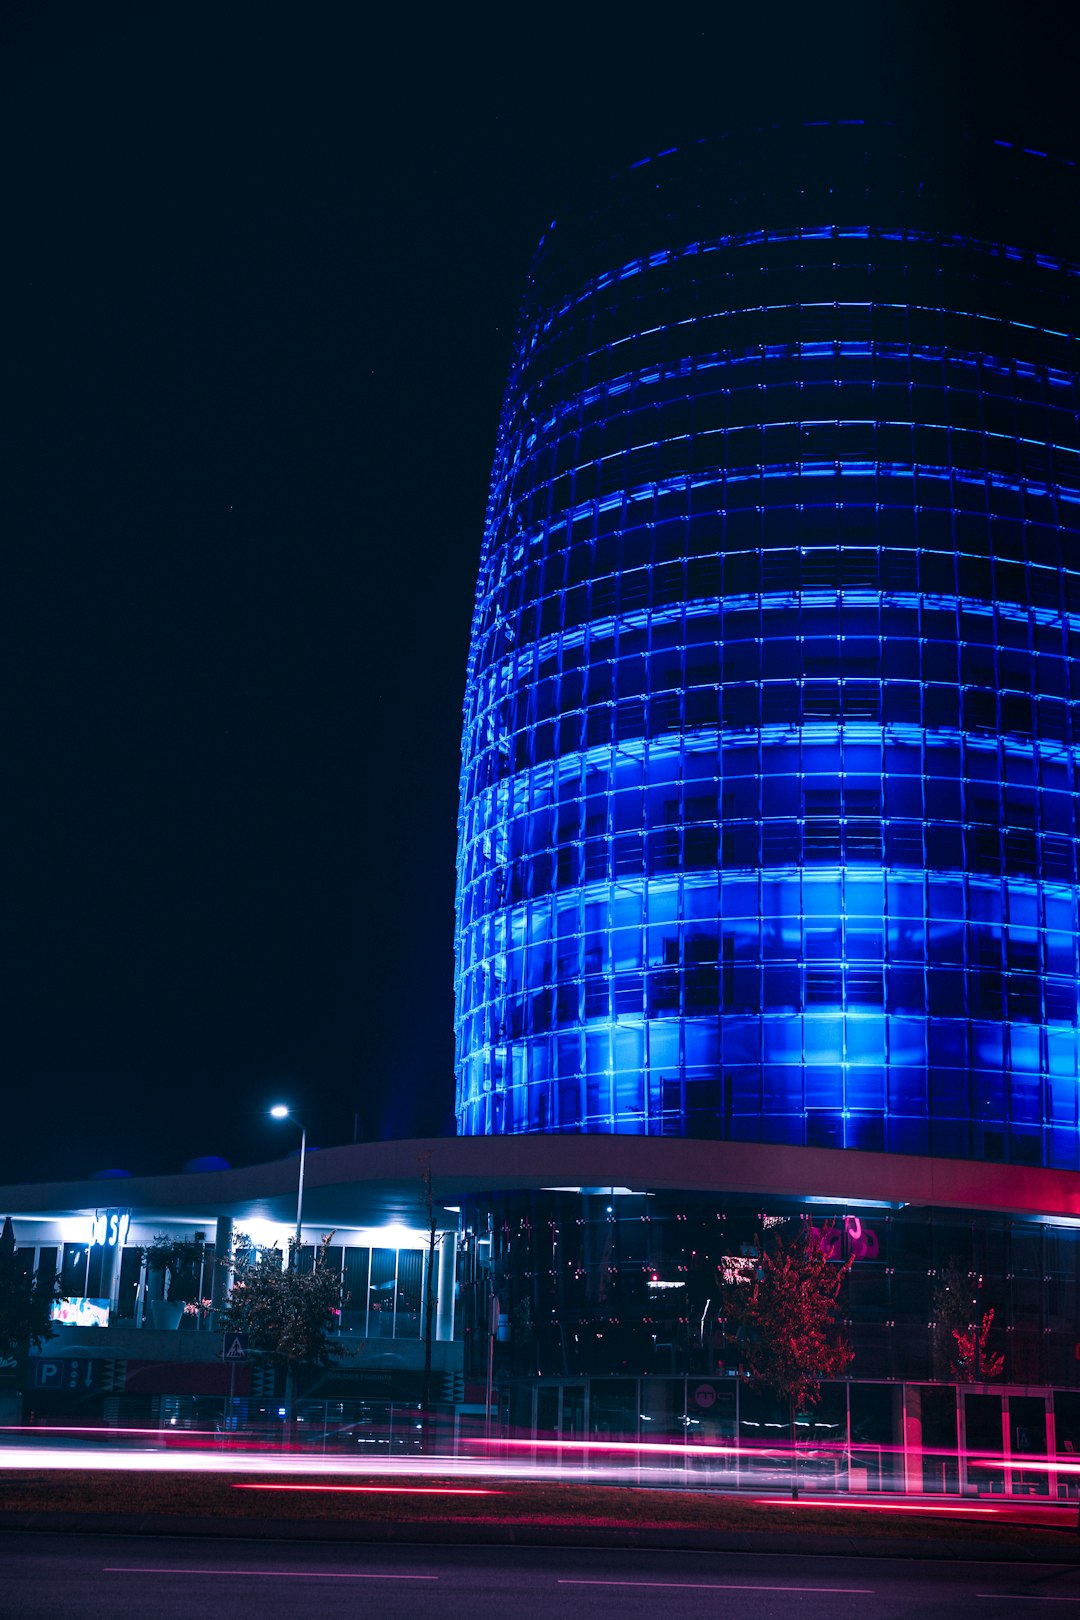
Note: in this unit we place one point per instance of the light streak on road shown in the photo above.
(861, 1506)
(478, 1466)
(779, 1451)
(501, 1451)
(378, 1490)
(270, 1574)
(727, 1586)
(164, 1459)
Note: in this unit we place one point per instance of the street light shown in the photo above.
(280, 1111)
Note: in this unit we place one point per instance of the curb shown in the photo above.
(465, 1534)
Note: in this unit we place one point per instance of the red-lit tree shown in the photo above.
(973, 1362)
(786, 1319)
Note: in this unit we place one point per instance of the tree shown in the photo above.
(25, 1300)
(287, 1316)
(961, 1327)
(973, 1362)
(786, 1319)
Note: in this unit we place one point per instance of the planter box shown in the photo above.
(164, 1314)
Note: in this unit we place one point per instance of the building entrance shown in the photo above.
(1000, 1430)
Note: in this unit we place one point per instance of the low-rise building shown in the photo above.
(587, 1275)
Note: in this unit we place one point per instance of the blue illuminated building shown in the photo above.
(768, 816)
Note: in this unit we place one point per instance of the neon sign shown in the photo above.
(109, 1228)
(862, 1242)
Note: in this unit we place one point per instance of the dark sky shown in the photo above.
(260, 270)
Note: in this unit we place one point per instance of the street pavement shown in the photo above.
(46, 1574)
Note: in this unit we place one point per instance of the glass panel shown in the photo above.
(710, 1407)
(1027, 1437)
(1067, 1437)
(764, 1437)
(615, 1408)
(573, 1411)
(821, 1433)
(662, 1409)
(354, 1291)
(521, 1410)
(547, 1410)
(710, 1421)
(333, 1260)
(874, 1410)
(381, 1294)
(941, 1470)
(983, 1433)
(409, 1279)
(80, 1275)
(130, 1272)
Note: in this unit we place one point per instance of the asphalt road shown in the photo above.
(79, 1576)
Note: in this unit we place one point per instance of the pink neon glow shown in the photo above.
(869, 1507)
(97, 1433)
(748, 1451)
(379, 1490)
(679, 1448)
(751, 1451)
(621, 1447)
(88, 1446)
(1023, 1465)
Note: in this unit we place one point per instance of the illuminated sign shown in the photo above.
(80, 1312)
(109, 1228)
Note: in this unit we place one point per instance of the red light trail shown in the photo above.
(869, 1507)
(379, 1490)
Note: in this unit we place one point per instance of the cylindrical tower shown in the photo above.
(768, 810)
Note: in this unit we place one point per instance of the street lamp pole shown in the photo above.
(280, 1111)
(300, 1190)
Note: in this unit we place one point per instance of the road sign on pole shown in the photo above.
(234, 1347)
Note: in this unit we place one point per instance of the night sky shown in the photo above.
(261, 266)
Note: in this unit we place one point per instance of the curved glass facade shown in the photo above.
(768, 817)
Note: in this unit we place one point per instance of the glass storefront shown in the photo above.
(611, 1332)
(381, 1294)
(935, 1439)
(629, 1284)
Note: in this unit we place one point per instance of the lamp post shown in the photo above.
(280, 1111)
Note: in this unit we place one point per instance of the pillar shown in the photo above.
(111, 1257)
(913, 1440)
(223, 1242)
(444, 1309)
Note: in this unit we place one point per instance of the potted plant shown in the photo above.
(178, 1262)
